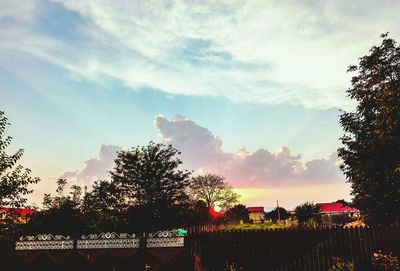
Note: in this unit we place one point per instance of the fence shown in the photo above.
(270, 250)
(292, 249)
(160, 251)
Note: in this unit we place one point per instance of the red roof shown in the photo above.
(255, 209)
(21, 212)
(336, 207)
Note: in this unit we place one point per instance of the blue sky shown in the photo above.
(255, 87)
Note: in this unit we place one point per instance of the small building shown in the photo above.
(337, 213)
(17, 214)
(256, 214)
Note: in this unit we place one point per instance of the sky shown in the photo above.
(250, 90)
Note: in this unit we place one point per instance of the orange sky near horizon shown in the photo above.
(290, 197)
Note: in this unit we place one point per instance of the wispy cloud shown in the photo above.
(269, 52)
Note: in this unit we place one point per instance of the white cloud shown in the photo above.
(267, 52)
(18, 9)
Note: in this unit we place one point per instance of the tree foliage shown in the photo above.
(14, 178)
(371, 143)
(150, 175)
(103, 196)
(308, 213)
(147, 192)
(273, 215)
(214, 191)
(61, 214)
(151, 185)
(237, 213)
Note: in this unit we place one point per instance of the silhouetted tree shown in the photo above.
(14, 178)
(371, 143)
(308, 214)
(344, 202)
(150, 182)
(61, 215)
(103, 196)
(102, 208)
(64, 219)
(237, 213)
(273, 215)
(214, 191)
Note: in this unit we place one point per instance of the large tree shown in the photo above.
(214, 190)
(371, 143)
(14, 178)
(102, 208)
(151, 183)
(150, 175)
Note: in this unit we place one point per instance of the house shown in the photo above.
(256, 214)
(18, 214)
(337, 213)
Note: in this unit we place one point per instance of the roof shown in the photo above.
(21, 212)
(336, 207)
(255, 209)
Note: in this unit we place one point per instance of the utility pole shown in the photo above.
(277, 208)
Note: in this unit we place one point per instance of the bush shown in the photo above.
(341, 265)
(385, 262)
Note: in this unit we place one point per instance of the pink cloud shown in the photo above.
(96, 168)
(203, 152)
(261, 176)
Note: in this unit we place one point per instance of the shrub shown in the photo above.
(385, 262)
(341, 265)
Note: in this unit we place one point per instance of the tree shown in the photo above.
(151, 182)
(371, 142)
(61, 215)
(273, 215)
(214, 191)
(308, 213)
(344, 202)
(55, 202)
(102, 208)
(14, 178)
(237, 213)
(104, 196)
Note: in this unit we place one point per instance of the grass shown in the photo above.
(256, 226)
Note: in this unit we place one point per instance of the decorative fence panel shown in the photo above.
(160, 251)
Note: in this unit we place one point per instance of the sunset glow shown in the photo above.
(247, 90)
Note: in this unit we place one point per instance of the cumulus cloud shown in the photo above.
(198, 145)
(203, 152)
(270, 52)
(95, 168)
